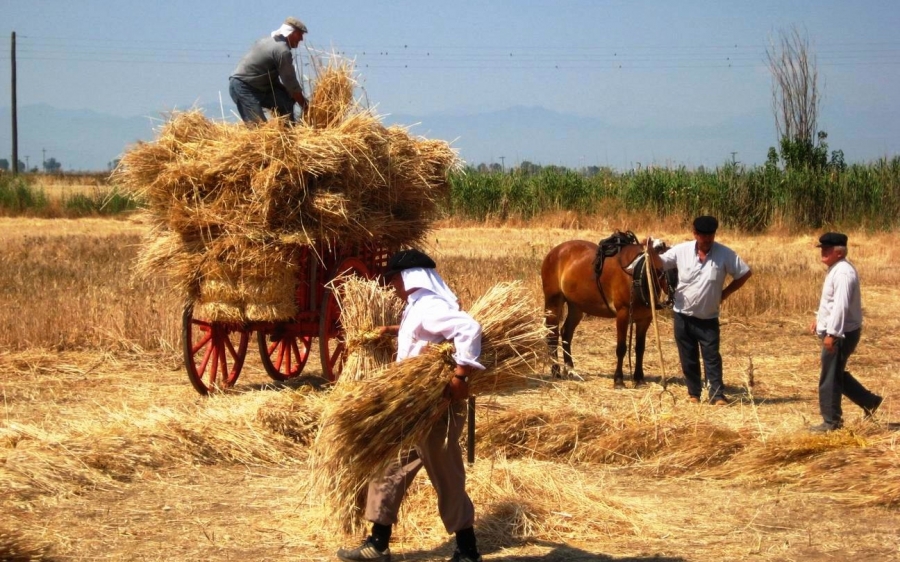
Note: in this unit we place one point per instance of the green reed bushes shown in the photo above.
(18, 196)
(749, 199)
(23, 196)
(98, 203)
(482, 195)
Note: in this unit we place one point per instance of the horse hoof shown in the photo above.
(639, 383)
(618, 384)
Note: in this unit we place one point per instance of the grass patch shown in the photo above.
(33, 195)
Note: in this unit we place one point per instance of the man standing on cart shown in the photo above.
(266, 79)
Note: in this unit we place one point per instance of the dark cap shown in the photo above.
(296, 24)
(832, 239)
(706, 224)
(407, 259)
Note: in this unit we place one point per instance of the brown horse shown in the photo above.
(569, 279)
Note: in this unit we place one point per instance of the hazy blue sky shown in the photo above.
(640, 65)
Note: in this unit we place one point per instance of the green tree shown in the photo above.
(528, 168)
(51, 166)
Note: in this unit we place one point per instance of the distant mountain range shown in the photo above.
(90, 140)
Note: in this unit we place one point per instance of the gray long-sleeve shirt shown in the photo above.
(268, 61)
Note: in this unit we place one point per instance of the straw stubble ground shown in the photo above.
(108, 453)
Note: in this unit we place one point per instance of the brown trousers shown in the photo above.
(439, 452)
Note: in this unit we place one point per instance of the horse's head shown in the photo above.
(664, 282)
(659, 245)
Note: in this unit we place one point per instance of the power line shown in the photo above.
(457, 57)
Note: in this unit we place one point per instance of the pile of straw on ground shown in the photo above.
(227, 202)
(261, 429)
(369, 422)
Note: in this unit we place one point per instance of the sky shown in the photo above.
(671, 70)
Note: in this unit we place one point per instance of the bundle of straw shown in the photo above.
(332, 98)
(369, 423)
(366, 305)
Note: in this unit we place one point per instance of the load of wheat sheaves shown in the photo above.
(230, 206)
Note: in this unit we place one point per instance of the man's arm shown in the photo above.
(289, 78)
(735, 285)
(653, 251)
(300, 99)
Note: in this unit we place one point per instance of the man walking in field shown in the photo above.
(838, 324)
(432, 315)
(265, 78)
(702, 266)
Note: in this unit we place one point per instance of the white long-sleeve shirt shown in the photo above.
(840, 308)
(429, 318)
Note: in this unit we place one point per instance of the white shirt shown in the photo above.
(700, 284)
(431, 317)
(840, 308)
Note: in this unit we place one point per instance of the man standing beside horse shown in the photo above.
(702, 266)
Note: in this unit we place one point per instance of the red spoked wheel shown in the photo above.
(332, 345)
(284, 355)
(214, 352)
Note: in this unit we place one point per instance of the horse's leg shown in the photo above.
(639, 346)
(553, 307)
(573, 318)
(621, 346)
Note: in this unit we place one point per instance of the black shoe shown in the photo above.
(366, 551)
(870, 411)
(824, 427)
(460, 557)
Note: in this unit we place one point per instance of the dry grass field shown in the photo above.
(107, 452)
(60, 186)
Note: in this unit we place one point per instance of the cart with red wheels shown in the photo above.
(214, 352)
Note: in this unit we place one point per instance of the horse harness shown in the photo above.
(638, 269)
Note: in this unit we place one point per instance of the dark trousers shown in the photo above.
(695, 337)
(835, 381)
(441, 456)
(250, 102)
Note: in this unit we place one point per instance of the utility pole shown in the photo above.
(27, 165)
(733, 161)
(44, 159)
(502, 165)
(15, 124)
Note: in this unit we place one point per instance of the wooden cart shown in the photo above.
(214, 352)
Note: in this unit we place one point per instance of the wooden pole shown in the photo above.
(15, 124)
(470, 441)
(651, 276)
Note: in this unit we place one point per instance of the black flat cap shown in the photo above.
(407, 259)
(832, 239)
(706, 224)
